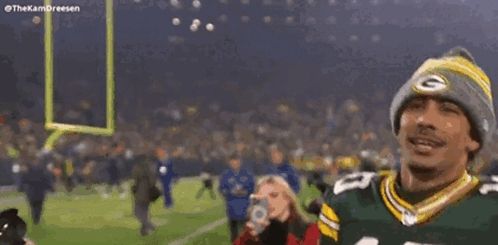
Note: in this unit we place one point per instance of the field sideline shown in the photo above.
(84, 217)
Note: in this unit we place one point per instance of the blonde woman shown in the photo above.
(284, 222)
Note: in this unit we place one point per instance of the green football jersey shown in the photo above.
(365, 209)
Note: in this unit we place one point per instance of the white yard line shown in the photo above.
(198, 232)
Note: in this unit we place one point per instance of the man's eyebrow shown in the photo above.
(445, 101)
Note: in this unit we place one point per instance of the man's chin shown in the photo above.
(422, 169)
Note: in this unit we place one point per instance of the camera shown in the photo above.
(258, 213)
(12, 228)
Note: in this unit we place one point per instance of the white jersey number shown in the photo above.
(352, 181)
(490, 187)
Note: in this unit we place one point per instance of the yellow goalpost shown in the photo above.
(58, 129)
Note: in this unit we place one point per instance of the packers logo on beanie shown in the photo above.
(454, 76)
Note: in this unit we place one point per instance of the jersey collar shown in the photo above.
(409, 214)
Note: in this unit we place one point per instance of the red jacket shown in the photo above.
(297, 235)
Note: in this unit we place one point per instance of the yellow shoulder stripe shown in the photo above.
(327, 231)
(329, 213)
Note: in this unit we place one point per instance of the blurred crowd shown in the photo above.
(317, 134)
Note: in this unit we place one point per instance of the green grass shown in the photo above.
(84, 217)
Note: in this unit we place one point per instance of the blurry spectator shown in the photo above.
(236, 184)
(114, 178)
(284, 222)
(68, 174)
(367, 161)
(143, 180)
(315, 177)
(87, 172)
(36, 182)
(347, 164)
(316, 129)
(280, 166)
(207, 181)
(166, 174)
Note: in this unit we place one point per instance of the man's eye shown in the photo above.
(274, 194)
(450, 108)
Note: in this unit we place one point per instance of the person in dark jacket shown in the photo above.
(167, 175)
(143, 179)
(280, 166)
(236, 185)
(36, 183)
(113, 171)
(207, 181)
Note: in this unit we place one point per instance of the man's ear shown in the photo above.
(472, 145)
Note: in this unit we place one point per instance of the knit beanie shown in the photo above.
(456, 77)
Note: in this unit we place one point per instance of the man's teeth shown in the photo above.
(424, 147)
(424, 143)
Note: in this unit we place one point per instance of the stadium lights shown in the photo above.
(175, 3)
(209, 27)
(176, 21)
(36, 20)
(197, 4)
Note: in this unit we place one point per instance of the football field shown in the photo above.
(84, 217)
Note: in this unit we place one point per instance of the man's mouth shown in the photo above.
(424, 144)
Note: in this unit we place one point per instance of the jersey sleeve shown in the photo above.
(337, 203)
(329, 221)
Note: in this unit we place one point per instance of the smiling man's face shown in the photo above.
(434, 135)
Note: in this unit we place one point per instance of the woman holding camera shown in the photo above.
(275, 217)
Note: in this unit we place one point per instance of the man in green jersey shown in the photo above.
(442, 116)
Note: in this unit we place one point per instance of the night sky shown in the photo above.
(308, 49)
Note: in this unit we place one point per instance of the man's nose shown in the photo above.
(427, 118)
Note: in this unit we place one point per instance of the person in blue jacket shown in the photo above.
(166, 174)
(236, 185)
(280, 166)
